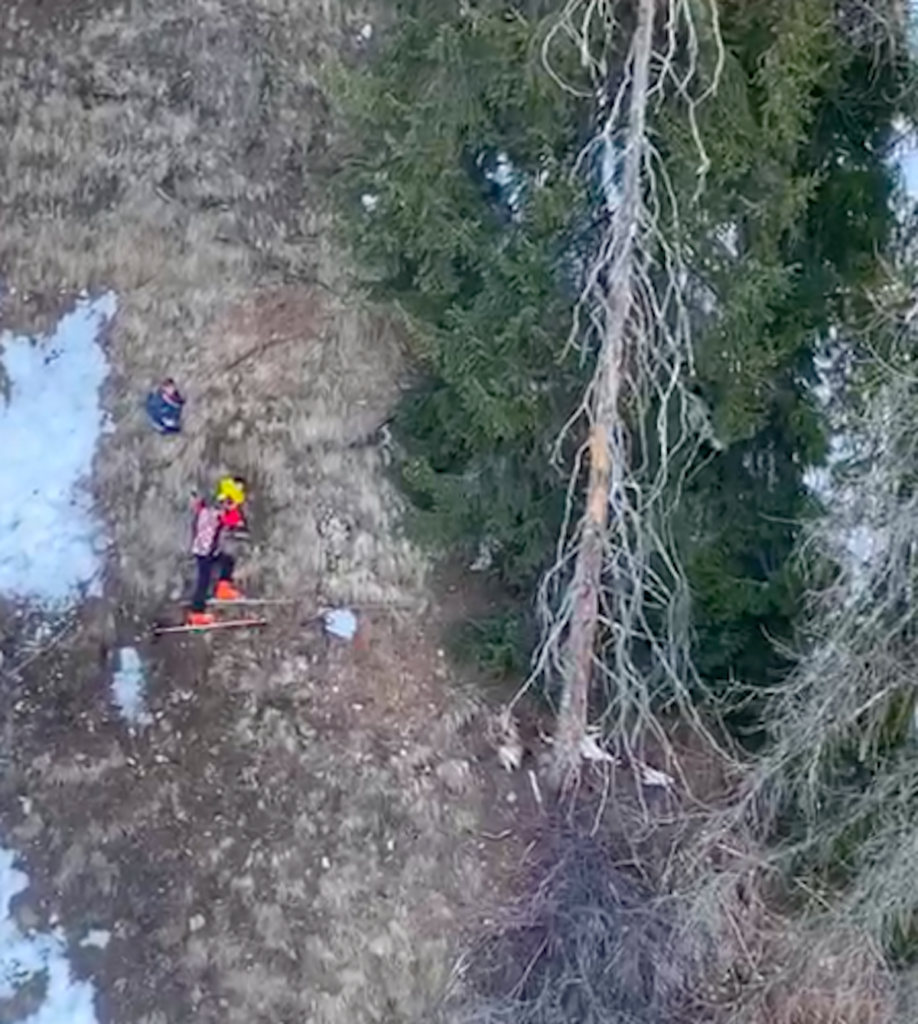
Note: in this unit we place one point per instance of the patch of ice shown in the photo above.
(49, 427)
(128, 687)
(24, 957)
(909, 164)
(96, 938)
(341, 622)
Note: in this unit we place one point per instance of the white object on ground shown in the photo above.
(485, 557)
(341, 622)
(49, 541)
(128, 687)
(23, 957)
(654, 777)
(96, 938)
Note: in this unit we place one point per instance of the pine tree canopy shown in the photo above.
(475, 208)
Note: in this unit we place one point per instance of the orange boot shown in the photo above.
(226, 591)
(199, 619)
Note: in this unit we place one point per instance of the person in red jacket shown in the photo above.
(211, 521)
(231, 491)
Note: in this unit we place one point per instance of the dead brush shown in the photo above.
(816, 978)
(621, 921)
(840, 981)
(768, 965)
(589, 941)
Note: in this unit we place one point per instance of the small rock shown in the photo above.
(455, 775)
(196, 923)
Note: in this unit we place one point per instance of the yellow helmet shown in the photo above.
(232, 490)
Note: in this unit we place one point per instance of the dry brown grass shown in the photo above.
(297, 419)
(174, 151)
(843, 981)
(174, 154)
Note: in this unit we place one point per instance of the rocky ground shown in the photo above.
(303, 829)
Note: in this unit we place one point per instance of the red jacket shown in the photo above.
(233, 518)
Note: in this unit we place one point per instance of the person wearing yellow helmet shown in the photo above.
(207, 546)
(232, 487)
(231, 495)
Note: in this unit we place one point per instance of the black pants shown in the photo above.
(206, 564)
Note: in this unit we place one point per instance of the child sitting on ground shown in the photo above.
(231, 494)
(164, 407)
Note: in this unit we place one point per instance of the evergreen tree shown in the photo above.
(789, 243)
(463, 203)
(471, 224)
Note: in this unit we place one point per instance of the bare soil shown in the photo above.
(306, 829)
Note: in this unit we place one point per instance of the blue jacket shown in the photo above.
(165, 413)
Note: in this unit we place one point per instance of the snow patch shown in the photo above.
(129, 687)
(341, 622)
(38, 956)
(905, 157)
(50, 424)
(96, 938)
